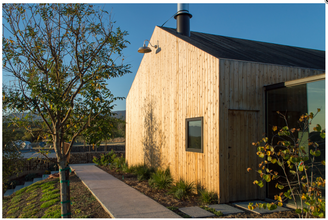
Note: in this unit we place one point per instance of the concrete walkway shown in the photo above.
(117, 198)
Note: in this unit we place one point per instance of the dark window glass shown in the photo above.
(194, 134)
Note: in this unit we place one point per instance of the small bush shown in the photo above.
(105, 159)
(30, 176)
(144, 173)
(182, 189)
(161, 179)
(207, 197)
(134, 168)
(125, 168)
(118, 163)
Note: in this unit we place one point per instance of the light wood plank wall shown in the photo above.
(182, 81)
(241, 89)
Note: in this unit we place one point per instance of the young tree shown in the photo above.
(61, 56)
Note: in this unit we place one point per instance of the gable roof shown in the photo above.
(248, 50)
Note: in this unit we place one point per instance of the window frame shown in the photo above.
(187, 134)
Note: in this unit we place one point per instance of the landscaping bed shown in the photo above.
(42, 199)
(169, 201)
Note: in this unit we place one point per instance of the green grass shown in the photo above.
(29, 207)
(21, 191)
(49, 197)
(16, 199)
(49, 203)
(172, 208)
(13, 206)
(217, 213)
(12, 210)
(29, 214)
(33, 187)
(49, 189)
(32, 196)
(53, 212)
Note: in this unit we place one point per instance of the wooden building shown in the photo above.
(218, 82)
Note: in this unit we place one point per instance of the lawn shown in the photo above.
(42, 200)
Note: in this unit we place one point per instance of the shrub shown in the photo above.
(182, 189)
(161, 179)
(30, 176)
(105, 159)
(295, 156)
(118, 162)
(207, 197)
(143, 172)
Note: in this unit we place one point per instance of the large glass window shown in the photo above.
(194, 134)
(294, 101)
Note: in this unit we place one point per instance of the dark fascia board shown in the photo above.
(295, 82)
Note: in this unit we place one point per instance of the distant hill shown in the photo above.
(120, 114)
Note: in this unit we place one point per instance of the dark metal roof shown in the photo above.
(248, 50)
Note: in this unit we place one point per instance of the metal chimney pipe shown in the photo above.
(183, 19)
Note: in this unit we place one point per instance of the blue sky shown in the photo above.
(301, 25)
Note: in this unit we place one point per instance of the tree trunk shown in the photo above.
(64, 189)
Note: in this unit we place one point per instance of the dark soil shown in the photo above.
(167, 200)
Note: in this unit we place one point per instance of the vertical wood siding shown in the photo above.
(179, 81)
(242, 121)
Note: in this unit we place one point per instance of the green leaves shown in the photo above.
(316, 153)
(267, 177)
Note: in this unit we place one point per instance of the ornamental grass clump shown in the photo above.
(207, 197)
(300, 176)
(161, 179)
(143, 172)
(182, 189)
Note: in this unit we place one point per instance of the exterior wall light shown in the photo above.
(145, 49)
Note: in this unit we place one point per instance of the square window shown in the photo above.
(194, 134)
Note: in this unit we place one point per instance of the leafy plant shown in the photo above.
(291, 150)
(161, 179)
(143, 172)
(117, 162)
(105, 159)
(207, 197)
(182, 189)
